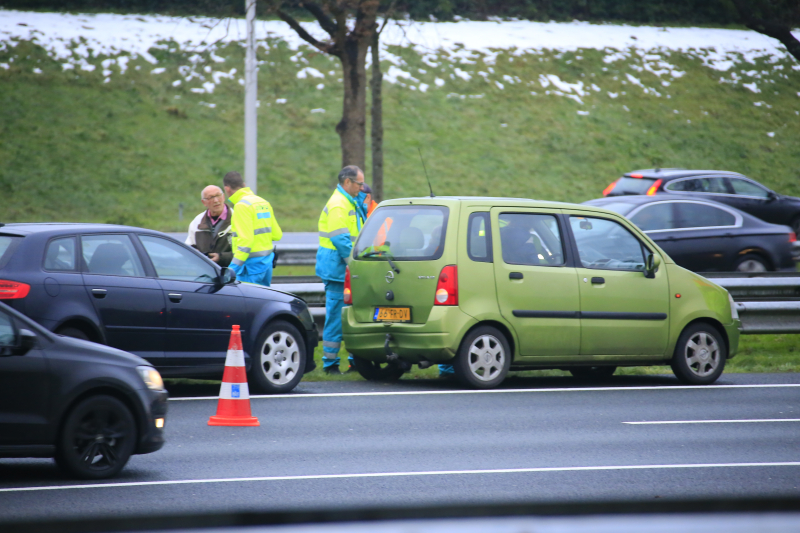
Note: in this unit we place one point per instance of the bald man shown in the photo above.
(210, 231)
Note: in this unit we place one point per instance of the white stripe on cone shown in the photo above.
(235, 358)
(234, 391)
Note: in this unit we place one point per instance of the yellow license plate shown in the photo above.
(392, 314)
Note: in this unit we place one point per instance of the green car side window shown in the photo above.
(479, 238)
(606, 244)
(530, 239)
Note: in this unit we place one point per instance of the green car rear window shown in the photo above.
(8, 244)
(410, 233)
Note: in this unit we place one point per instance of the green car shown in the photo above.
(492, 285)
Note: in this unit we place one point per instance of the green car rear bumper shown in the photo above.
(436, 340)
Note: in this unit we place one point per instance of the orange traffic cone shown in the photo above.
(233, 408)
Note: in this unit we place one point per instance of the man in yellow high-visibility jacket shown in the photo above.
(253, 228)
(339, 224)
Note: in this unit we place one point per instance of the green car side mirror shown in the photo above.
(651, 265)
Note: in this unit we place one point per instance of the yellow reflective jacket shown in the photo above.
(253, 226)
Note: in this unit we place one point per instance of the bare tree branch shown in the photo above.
(768, 23)
(328, 48)
(387, 17)
(324, 20)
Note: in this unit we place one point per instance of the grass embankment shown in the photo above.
(130, 145)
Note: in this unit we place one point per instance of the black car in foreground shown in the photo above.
(89, 406)
(721, 186)
(705, 236)
(143, 292)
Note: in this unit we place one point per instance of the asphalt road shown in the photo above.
(357, 444)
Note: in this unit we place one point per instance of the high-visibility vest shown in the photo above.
(253, 226)
(337, 217)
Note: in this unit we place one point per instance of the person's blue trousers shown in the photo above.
(332, 332)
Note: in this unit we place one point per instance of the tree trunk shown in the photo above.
(377, 121)
(772, 21)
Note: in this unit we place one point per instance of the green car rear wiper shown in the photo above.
(382, 253)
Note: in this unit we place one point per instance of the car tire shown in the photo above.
(375, 371)
(97, 438)
(700, 355)
(592, 372)
(751, 263)
(75, 333)
(278, 360)
(483, 359)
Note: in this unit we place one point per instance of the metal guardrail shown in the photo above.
(296, 254)
(767, 302)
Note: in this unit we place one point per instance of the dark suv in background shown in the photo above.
(721, 186)
(146, 293)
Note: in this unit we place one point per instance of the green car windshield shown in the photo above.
(403, 233)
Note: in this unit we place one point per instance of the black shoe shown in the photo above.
(332, 370)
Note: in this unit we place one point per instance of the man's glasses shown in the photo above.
(359, 183)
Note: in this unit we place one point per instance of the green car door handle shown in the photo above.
(598, 281)
(515, 275)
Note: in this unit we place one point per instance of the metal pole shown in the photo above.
(250, 93)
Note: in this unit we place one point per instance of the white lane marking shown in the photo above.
(498, 391)
(716, 421)
(399, 474)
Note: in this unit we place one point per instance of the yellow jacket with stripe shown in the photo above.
(253, 227)
(339, 225)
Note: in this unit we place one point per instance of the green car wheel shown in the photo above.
(483, 359)
(699, 355)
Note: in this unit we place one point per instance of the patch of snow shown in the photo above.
(439, 82)
(771, 134)
(582, 113)
(37, 70)
(613, 95)
(303, 73)
(176, 83)
(318, 110)
(753, 87)
(320, 86)
(280, 101)
(423, 87)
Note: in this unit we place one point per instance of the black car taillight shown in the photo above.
(12, 290)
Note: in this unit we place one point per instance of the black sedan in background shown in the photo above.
(705, 236)
(143, 292)
(721, 186)
(89, 406)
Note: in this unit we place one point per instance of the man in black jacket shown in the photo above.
(210, 231)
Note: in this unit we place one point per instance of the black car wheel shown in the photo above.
(699, 356)
(279, 359)
(375, 371)
(589, 372)
(483, 360)
(75, 333)
(97, 438)
(751, 263)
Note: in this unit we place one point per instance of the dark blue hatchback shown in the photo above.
(143, 292)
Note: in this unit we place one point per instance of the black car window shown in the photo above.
(606, 244)
(60, 254)
(479, 238)
(707, 185)
(172, 261)
(628, 185)
(8, 336)
(655, 217)
(8, 244)
(747, 188)
(530, 239)
(113, 255)
(696, 215)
